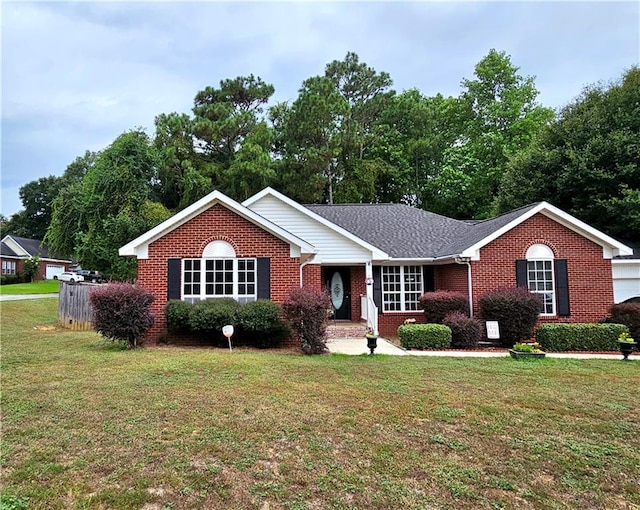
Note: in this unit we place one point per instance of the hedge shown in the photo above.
(437, 305)
(629, 315)
(579, 337)
(466, 331)
(424, 336)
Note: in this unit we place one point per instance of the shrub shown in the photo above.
(9, 279)
(465, 331)
(629, 315)
(424, 336)
(209, 317)
(437, 305)
(516, 310)
(306, 312)
(579, 337)
(121, 312)
(177, 313)
(261, 325)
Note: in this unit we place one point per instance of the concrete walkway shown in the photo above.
(358, 346)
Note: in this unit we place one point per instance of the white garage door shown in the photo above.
(626, 279)
(53, 270)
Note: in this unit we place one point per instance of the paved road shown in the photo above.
(18, 297)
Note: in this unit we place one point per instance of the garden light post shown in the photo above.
(228, 332)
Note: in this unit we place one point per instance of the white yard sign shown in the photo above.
(493, 330)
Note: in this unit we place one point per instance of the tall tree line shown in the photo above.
(349, 137)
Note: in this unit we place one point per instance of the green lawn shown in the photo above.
(39, 287)
(86, 425)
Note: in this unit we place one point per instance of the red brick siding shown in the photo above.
(358, 289)
(388, 323)
(312, 276)
(190, 239)
(453, 277)
(590, 277)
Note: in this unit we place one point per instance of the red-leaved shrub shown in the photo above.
(121, 311)
(465, 331)
(306, 311)
(516, 310)
(437, 305)
(629, 315)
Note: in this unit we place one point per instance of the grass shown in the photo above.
(38, 287)
(89, 425)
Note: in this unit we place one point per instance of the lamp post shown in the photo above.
(228, 332)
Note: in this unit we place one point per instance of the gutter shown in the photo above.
(467, 261)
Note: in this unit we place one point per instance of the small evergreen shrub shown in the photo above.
(437, 305)
(261, 325)
(465, 331)
(9, 279)
(629, 315)
(579, 337)
(121, 312)
(516, 310)
(306, 311)
(424, 336)
(177, 313)
(209, 317)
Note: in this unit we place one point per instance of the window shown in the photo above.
(401, 287)
(217, 278)
(540, 276)
(8, 267)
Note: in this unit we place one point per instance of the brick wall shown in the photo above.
(590, 276)
(190, 239)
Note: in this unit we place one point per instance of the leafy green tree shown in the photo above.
(587, 162)
(500, 117)
(31, 266)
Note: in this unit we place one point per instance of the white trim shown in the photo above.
(376, 253)
(139, 246)
(610, 247)
(15, 246)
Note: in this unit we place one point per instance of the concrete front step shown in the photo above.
(339, 329)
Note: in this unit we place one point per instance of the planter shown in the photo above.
(627, 348)
(521, 354)
(372, 342)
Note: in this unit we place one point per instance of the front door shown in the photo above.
(338, 283)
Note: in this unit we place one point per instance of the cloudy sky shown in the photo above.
(76, 75)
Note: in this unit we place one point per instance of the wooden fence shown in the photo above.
(74, 309)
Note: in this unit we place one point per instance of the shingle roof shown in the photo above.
(6, 251)
(407, 232)
(31, 246)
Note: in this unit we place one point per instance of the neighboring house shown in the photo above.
(375, 259)
(626, 276)
(15, 250)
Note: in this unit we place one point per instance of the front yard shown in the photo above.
(88, 426)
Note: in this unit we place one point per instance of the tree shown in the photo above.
(587, 162)
(31, 266)
(500, 117)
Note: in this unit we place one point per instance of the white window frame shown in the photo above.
(396, 292)
(207, 277)
(540, 260)
(8, 267)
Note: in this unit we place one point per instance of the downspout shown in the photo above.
(309, 260)
(467, 262)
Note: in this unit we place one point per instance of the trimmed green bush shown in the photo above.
(177, 314)
(209, 317)
(629, 315)
(437, 305)
(9, 279)
(579, 337)
(516, 310)
(424, 336)
(260, 324)
(465, 331)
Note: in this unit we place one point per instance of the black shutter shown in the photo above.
(174, 270)
(264, 277)
(377, 287)
(521, 274)
(562, 287)
(429, 278)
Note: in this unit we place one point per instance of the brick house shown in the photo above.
(15, 250)
(375, 259)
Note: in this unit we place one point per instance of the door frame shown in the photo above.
(344, 312)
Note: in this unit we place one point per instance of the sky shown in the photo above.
(77, 75)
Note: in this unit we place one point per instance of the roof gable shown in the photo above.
(139, 246)
(23, 247)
